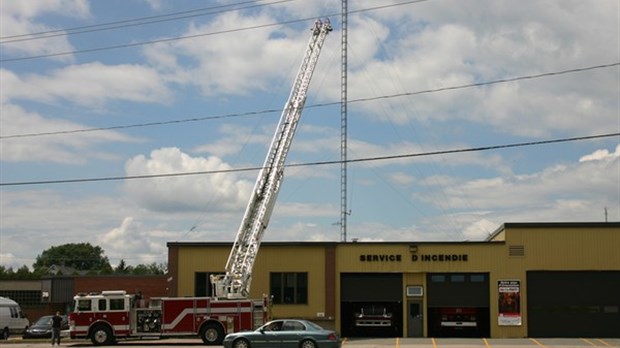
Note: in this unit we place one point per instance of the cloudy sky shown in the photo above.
(115, 89)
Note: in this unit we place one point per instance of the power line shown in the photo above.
(250, 113)
(150, 42)
(319, 163)
(132, 22)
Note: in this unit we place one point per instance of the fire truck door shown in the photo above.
(415, 321)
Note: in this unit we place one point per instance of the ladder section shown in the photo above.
(237, 280)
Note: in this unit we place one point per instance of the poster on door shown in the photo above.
(509, 308)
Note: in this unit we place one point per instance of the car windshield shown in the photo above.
(44, 320)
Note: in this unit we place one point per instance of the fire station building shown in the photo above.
(525, 280)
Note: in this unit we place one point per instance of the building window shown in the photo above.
(289, 288)
(23, 297)
(477, 278)
(438, 278)
(457, 278)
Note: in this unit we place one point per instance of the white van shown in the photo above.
(12, 319)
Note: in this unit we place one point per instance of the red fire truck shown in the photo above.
(110, 315)
(373, 316)
(104, 317)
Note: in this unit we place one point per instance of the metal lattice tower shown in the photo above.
(343, 125)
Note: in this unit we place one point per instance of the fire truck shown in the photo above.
(107, 316)
(373, 316)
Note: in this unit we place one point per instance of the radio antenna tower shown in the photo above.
(343, 124)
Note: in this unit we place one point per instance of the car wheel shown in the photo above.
(241, 343)
(307, 344)
(212, 334)
(101, 335)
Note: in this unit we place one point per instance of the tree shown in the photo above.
(122, 268)
(79, 256)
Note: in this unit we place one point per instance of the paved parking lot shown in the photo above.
(482, 343)
(363, 343)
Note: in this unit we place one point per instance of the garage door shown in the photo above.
(458, 304)
(573, 303)
(371, 304)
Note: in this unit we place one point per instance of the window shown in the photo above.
(438, 278)
(117, 304)
(289, 288)
(457, 278)
(23, 297)
(477, 278)
(83, 305)
(102, 305)
(293, 326)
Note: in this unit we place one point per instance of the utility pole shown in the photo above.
(605, 214)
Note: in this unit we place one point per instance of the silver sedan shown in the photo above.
(284, 333)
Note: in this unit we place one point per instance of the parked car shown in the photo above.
(12, 319)
(42, 328)
(285, 333)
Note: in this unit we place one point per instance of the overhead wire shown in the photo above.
(359, 100)
(150, 42)
(318, 163)
(398, 85)
(132, 22)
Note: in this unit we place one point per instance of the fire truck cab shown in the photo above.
(107, 316)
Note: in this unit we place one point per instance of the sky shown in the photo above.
(96, 96)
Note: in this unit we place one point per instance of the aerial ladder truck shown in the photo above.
(110, 315)
(235, 283)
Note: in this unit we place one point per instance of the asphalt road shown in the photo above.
(361, 343)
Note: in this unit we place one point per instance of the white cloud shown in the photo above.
(602, 154)
(18, 18)
(134, 243)
(211, 192)
(75, 149)
(230, 67)
(568, 192)
(441, 47)
(234, 138)
(90, 84)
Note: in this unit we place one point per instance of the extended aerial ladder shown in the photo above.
(235, 283)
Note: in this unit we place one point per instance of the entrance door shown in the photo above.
(414, 326)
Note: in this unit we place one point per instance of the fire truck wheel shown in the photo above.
(307, 344)
(101, 335)
(212, 334)
(241, 343)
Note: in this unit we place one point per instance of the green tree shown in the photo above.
(79, 256)
(150, 269)
(122, 268)
(6, 273)
(22, 273)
